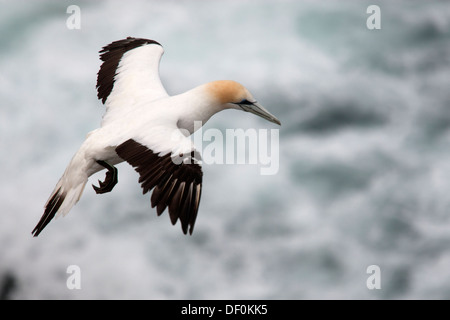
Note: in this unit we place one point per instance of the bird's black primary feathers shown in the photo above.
(111, 55)
(177, 184)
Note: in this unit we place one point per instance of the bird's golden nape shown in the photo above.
(232, 94)
(227, 91)
(145, 127)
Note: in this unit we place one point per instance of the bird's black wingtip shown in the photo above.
(51, 209)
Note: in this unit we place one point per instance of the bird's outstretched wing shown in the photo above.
(129, 75)
(174, 175)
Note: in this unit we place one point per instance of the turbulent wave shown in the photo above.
(364, 152)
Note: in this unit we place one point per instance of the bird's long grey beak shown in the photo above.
(259, 110)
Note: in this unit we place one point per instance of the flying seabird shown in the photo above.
(147, 128)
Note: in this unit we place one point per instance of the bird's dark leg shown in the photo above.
(110, 179)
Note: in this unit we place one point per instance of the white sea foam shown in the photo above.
(363, 163)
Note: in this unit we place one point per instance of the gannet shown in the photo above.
(150, 130)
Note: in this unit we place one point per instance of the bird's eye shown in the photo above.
(246, 102)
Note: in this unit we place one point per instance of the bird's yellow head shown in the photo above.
(234, 95)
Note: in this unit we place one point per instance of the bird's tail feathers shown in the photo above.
(66, 194)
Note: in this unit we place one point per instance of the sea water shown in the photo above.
(359, 206)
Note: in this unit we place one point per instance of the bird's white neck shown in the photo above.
(200, 105)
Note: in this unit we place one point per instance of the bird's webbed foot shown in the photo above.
(110, 179)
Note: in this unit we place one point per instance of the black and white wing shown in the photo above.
(175, 178)
(129, 75)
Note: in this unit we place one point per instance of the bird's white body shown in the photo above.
(139, 108)
(162, 136)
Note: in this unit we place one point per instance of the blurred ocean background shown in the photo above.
(364, 175)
